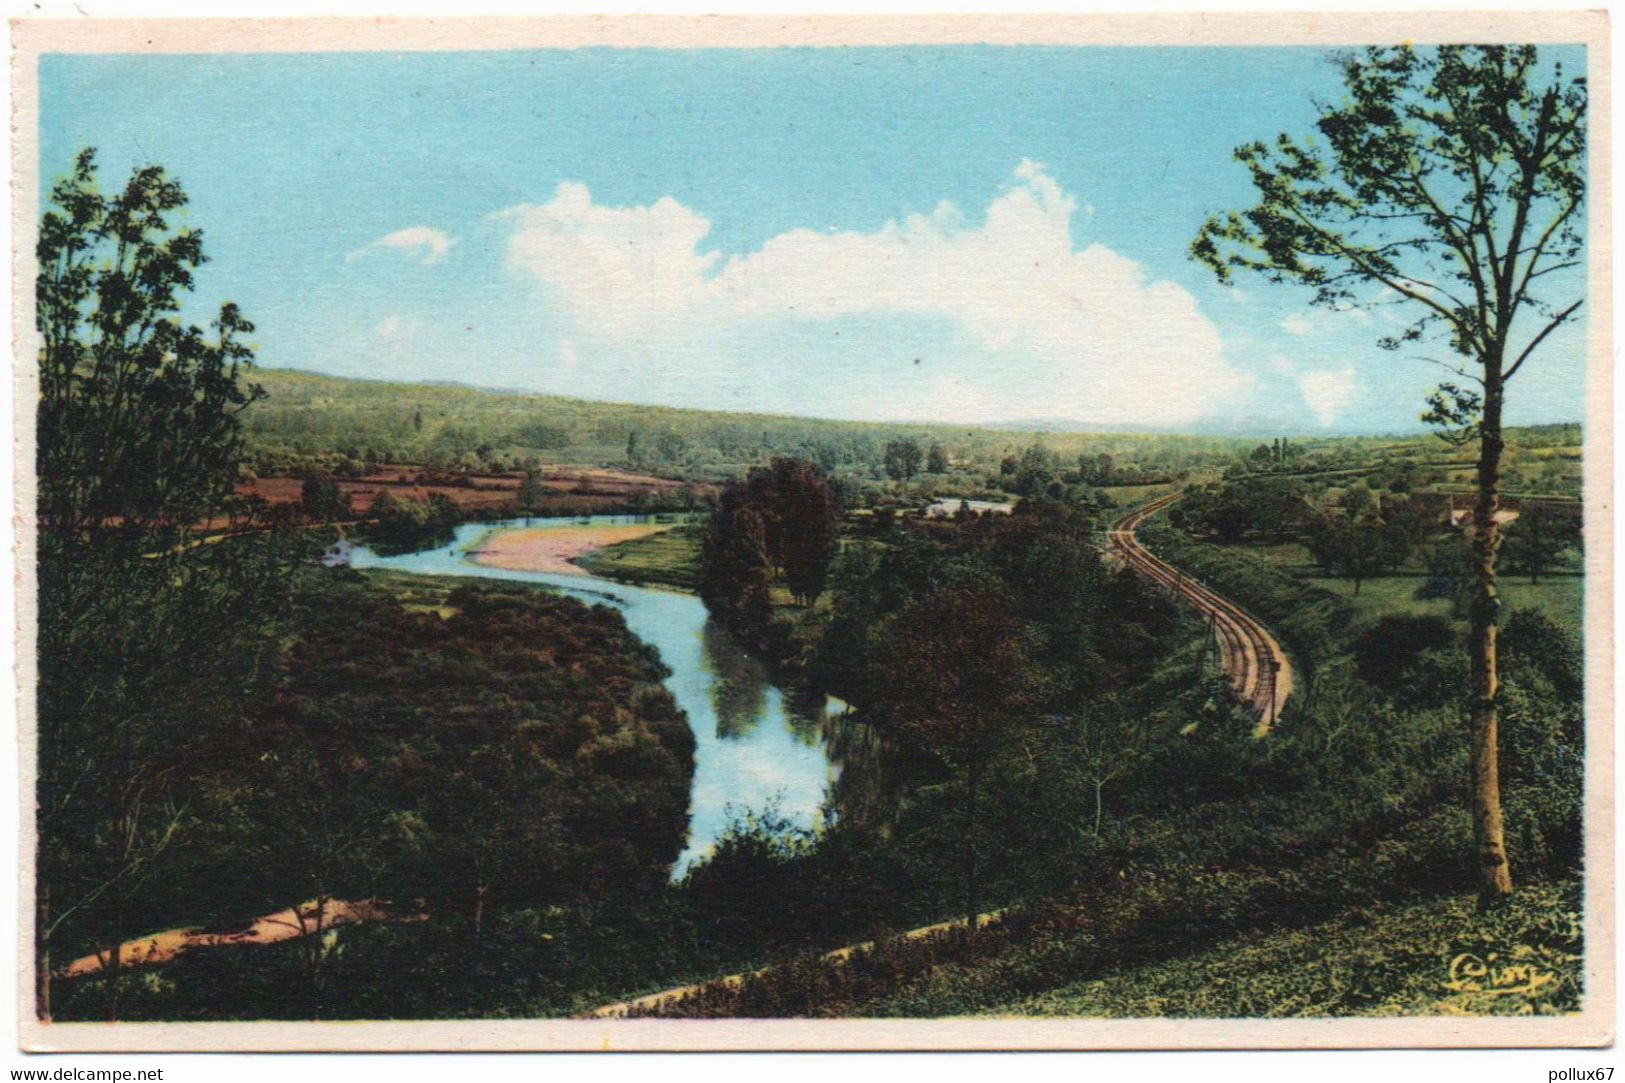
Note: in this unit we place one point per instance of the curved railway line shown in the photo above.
(1258, 671)
(1258, 668)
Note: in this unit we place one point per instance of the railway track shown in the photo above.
(1258, 671)
(1251, 657)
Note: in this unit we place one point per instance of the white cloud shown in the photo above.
(433, 244)
(615, 269)
(400, 328)
(1321, 321)
(1013, 319)
(1327, 392)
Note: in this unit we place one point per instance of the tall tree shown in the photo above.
(736, 571)
(146, 640)
(960, 681)
(532, 490)
(1036, 469)
(1536, 542)
(780, 517)
(1353, 548)
(799, 509)
(323, 500)
(1451, 181)
(903, 458)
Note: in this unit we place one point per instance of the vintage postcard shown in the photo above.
(659, 533)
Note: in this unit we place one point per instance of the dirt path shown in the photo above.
(1257, 667)
(654, 1002)
(311, 917)
(1256, 664)
(1258, 670)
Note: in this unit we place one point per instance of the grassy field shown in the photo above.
(1127, 496)
(670, 558)
(1560, 597)
(1415, 959)
(428, 593)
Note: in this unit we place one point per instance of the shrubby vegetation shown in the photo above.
(401, 525)
(1122, 812)
(1350, 817)
(1312, 624)
(226, 729)
(522, 746)
(670, 558)
(1346, 825)
(506, 751)
(1157, 829)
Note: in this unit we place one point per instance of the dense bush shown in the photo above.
(1535, 649)
(1135, 822)
(516, 753)
(1391, 653)
(1312, 623)
(402, 525)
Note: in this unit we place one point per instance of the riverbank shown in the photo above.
(757, 746)
(553, 550)
(670, 558)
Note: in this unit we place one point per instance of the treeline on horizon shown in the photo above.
(311, 423)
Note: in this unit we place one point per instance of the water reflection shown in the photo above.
(811, 714)
(865, 793)
(739, 688)
(754, 744)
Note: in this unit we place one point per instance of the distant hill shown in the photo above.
(310, 415)
(311, 422)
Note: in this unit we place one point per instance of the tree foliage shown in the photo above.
(1539, 540)
(903, 458)
(1451, 177)
(1451, 181)
(148, 641)
(323, 500)
(401, 524)
(137, 424)
(960, 681)
(531, 491)
(780, 520)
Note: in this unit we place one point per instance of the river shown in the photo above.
(755, 748)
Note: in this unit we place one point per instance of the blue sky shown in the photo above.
(950, 233)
